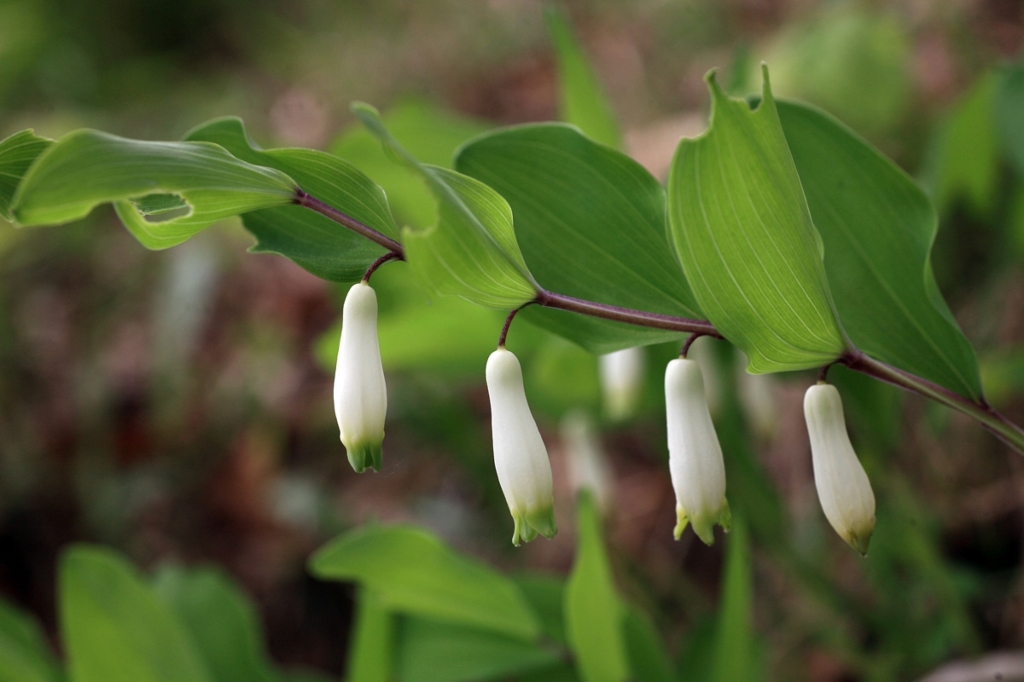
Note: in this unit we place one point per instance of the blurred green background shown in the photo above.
(177, 405)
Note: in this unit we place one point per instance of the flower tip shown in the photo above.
(860, 541)
(363, 456)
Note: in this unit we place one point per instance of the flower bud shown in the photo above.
(843, 486)
(360, 396)
(588, 465)
(622, 377)
(695, 455)
(520, 457)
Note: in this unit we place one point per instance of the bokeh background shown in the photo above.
(177, 405)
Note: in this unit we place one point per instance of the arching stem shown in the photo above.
(390, 255)
(689, 342)
(508, 323)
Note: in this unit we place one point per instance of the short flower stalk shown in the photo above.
(520, 456)
(843, 486)
(695, 455)
(360, 394)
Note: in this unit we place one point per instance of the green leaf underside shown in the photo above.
(86, 168)
(318, 244)
(429, 133)
(221, 621)
(743, 232)
(878, 228)
(591, 223)
(17, 153)
(414, 573)
(115, 628)
(593, 614)
(432, 651)
(471, 251)
(583, 102)
(25, 655)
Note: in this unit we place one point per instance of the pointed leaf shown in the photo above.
(86, 168)
(472, 250)
(115, 628)
(414, 573)
(371, 652)
(734, 639)
(1009, 102)
(593, 614)
(743, 232)
(647, 656)
(17, 153)
(878, 228)
(591, 223)
(316, 243)
(583, 102)
(25, 656)
(221, 620)
(431, 651)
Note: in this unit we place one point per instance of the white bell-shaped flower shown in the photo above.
(588, 464)
(622, 377)
(695, 455)
(360, 396)
(843, 485)
(520, 457)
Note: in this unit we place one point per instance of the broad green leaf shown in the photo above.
(429, 134)
(25, 656)
(431, 651)
(414, 573)
(591, 223)
(115, 628)
(371, 653)
(221, 620)
(582, 100)
(318, 244)
(878, 228)
(546, 595)
(646, 649)
(593, 613)
(472, 250)
(86, 168)
(734, 638)
(1008, 107)
(17, 153)
(743, 232)
(966, 158)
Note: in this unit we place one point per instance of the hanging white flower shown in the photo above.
(695, 455)
(588, 464)
(622, 376)
(843, 486)
(520, 457)
(360, 396)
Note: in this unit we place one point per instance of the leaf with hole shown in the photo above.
(87, 168)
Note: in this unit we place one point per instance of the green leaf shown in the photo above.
(431, 651)
(646, 649)
(591, 223)
(414, 573)
(429, 134)
(734, 637)
(878, 228)
(1009, 102)
(472, 250)
(583, 102)
(371, 653)
(17, 153)
(221, 620)
(743, 232)
(546, 595)
(315, 242)
(86, 168)
(115, 628)
(966, 162)
(25, 655)
(593, 614)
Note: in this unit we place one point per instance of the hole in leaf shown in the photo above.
(161, 208)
